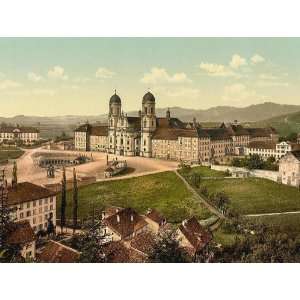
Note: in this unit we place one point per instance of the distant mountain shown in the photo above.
(285, 124)
(250, 113)
(51, 126)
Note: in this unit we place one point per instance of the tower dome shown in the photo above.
(148, 97)
(115, 99)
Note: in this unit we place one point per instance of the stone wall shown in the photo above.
(271, 175)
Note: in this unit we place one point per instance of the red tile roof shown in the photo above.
(156, 216)
(125, 222)
(27, 191)
(117, 252)
(55, 252)
(195, 233)
(143, 242)
(20, 233)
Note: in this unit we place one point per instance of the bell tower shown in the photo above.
(115, 106)
(148, 124)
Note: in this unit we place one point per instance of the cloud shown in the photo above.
(34, 77)
(57, 72)
(161, 76)
(216, 69)
(8, 84)
(237, 61)
(270, 80)
(180, 92)
(104, 73)
(238, 93)
(256, 58)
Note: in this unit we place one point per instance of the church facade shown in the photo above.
(164, 137)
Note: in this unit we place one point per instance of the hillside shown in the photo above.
(285, 124)
(265, 113)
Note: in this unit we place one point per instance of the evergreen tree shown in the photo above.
(8, 253)
(63, 200)
(14, 180)
(75, 200)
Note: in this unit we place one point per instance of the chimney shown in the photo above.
(103, 215)
(168, 114)
(183, 222)
(118, 218)
(131, 218)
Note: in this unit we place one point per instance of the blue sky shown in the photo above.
(58, 76)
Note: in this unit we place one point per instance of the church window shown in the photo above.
(144, 142)
(145, 123)
(151, 110)
(121, 141)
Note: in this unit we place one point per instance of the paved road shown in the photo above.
(198, 197)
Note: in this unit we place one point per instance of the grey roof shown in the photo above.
(115, 99)
(296, 153)
(148, 97)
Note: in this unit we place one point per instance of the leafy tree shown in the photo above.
(63, 200)
(75, 200)
(90, 243)
(167, 250)
(255, 162)
(196, 179)
(8, 253)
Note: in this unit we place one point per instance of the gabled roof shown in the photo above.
(217, 133)
(143, 242)
(27, 191)
(262, 145)
(83, 128)
(11, 129)
(55, 252)
(296, 154)
(261, 132)
(100, 130)
(125, 222)
(117, 252)
(195, 233)
(156, 216)
(20, 233)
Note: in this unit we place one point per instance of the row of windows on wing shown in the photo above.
(123, 124)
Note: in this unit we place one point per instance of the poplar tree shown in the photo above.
(14, 180)
(63, 200)
(75, 200)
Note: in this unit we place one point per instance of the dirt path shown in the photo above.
(274, 214)
(198, 197)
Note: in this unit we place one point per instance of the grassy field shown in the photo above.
(10, 154)
(281, 223)
(255, 195)
(164, 192)
(207, 172)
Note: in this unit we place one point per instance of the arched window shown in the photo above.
(145, 123)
